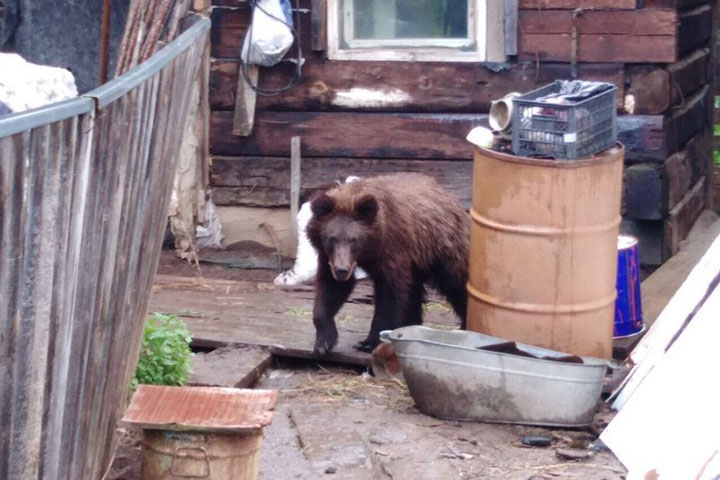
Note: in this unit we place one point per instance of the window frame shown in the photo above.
(426, 49)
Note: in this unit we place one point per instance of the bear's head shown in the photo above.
(344, 231)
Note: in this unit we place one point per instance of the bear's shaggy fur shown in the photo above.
(404, 230)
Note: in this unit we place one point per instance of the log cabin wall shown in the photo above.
(369, 117)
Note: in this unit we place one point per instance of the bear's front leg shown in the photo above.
(330, 295)
(391, 305)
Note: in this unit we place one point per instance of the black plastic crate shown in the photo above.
(563, 131)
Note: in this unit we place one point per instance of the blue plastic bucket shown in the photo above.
(628, 305)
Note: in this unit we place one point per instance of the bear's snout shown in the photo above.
(342, 273)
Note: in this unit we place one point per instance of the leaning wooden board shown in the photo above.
(224, 312)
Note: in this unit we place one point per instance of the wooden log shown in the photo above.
(645, 22)
(599, 48)
(582, 4)
(400, 86)
(650, 87)
(687, 120)
(689, 74)
(371, 135)
(263, 181)
(642, 192)
(639, 36)
(681, 218)
(694, 28)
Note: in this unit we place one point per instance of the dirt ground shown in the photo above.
(339, 422)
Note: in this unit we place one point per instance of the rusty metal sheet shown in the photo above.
(210, 409)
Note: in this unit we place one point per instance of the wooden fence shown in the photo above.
(84, 189)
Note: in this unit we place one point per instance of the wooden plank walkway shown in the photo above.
(228, 312)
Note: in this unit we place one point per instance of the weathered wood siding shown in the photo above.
(373, 117)
(84, 189)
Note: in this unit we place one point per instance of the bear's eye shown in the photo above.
(352, 241)
(332, 241)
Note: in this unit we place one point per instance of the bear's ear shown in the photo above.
(366, 208)
(322, 206)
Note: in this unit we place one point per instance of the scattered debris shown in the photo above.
(573, 454)
(536, 441)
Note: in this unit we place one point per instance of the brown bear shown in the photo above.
(404, 230)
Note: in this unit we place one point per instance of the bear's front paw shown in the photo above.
(325, 341)
(367, 345)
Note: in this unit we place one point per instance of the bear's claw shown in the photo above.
(366, 345)
(325, 343)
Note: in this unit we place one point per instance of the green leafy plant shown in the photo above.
(716, 158)
(165, 356)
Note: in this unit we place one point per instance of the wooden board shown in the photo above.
(661, 285)
(582, 4)
(371, 135)
(415, 87)
(231, 367)
(264, 181)
(224, 312)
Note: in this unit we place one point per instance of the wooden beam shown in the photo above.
(318, 11)
(650, 22)
(599, 48)
(400, 86)
(263, 181)
(371, 135)
(681, 218)
(689, 75)
(688, 119)
(244, 117)
(694, 28)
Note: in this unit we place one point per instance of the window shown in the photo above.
(429, 30)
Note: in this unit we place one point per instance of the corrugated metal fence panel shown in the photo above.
(83, 202)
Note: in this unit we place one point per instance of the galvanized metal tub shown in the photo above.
(449, 378)
(543, 250)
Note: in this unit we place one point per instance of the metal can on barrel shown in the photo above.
(628, 305)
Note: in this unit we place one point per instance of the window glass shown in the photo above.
(407, 19)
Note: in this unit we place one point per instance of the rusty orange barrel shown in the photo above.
(543, 254)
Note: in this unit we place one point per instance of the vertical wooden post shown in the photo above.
(318, 12)
(245, 102)
(295, 161)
